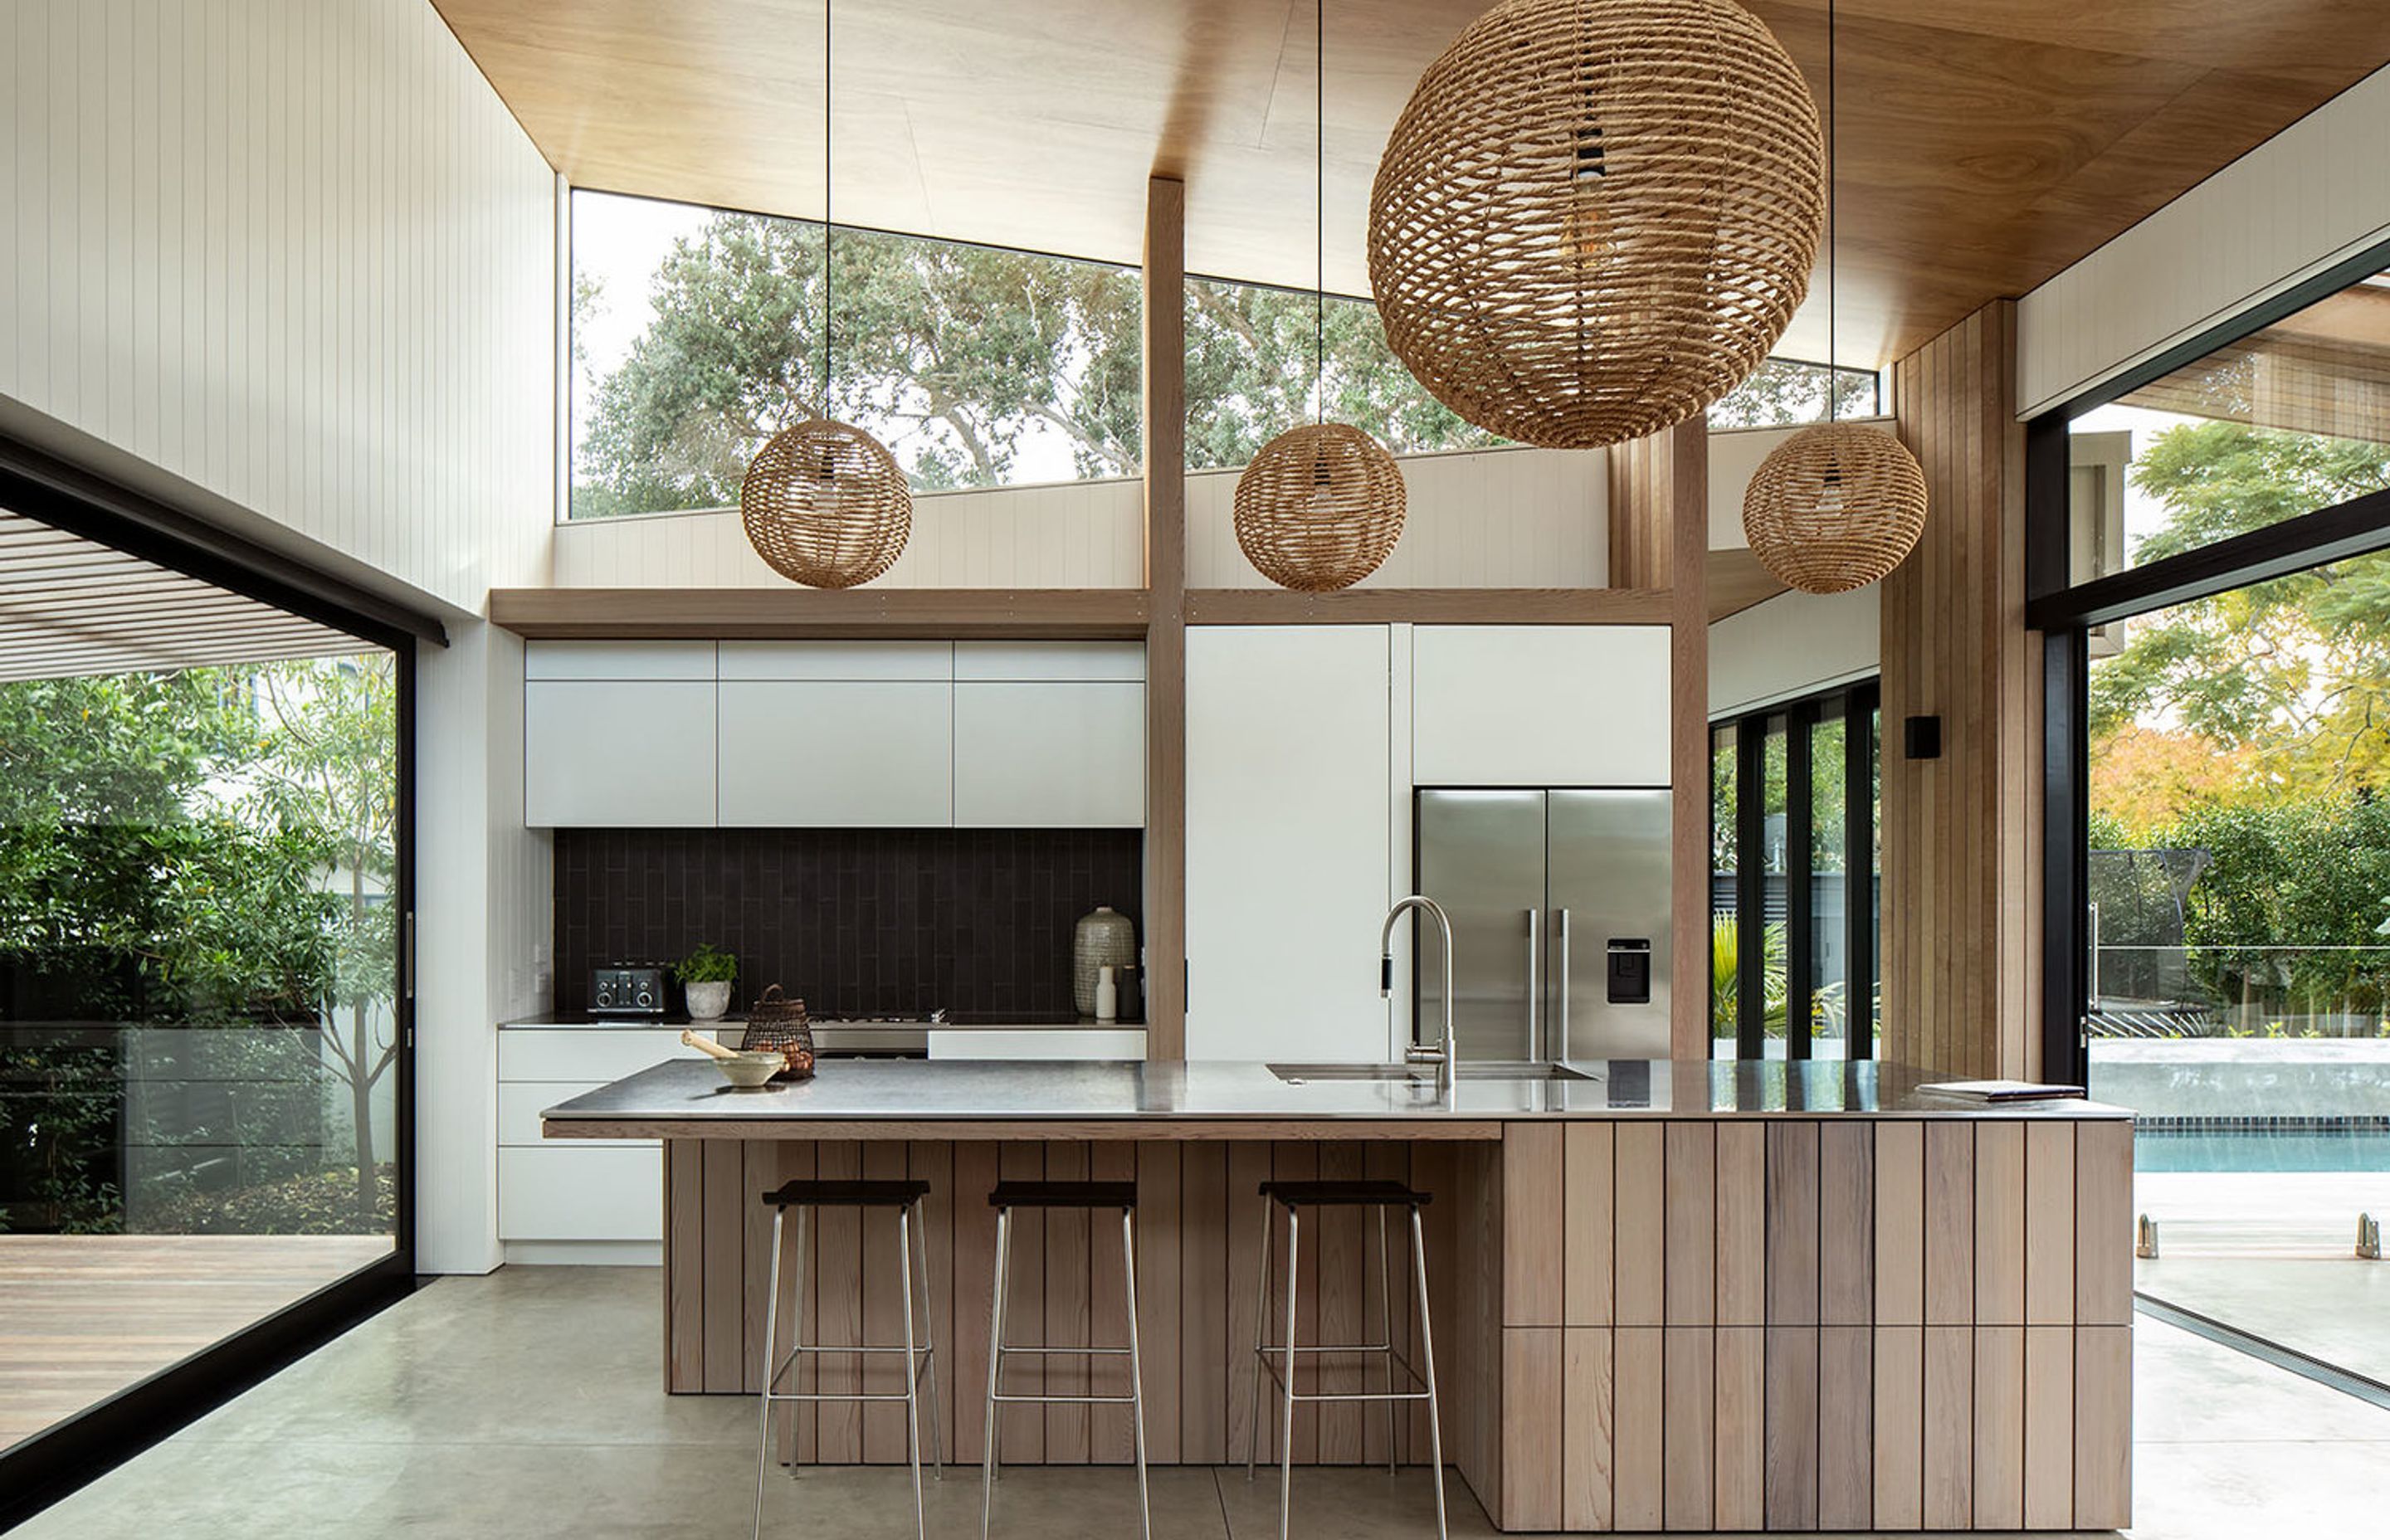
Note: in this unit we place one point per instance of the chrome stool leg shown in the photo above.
(912, 1379)
(771, 1370)
(1136, 1373)
(992, 1432)
(1386, 1320)
(1427, 1352)
(929, 1349)
(1286, 1414)
(1261, 1340)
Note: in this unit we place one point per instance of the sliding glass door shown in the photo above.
(2216, 595)
(205, 1018)
(1796, 869)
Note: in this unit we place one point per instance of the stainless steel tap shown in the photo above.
(1446, 1056)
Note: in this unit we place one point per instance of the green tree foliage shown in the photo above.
(956, 353)
(207, 848)
(2295, 670)
(1784, 391)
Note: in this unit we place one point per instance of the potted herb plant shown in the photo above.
(706, 975)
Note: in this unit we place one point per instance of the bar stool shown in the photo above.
(905, 1197)
(1005, 1198)
(1278, 1361)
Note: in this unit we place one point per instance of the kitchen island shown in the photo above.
(1668, 1295)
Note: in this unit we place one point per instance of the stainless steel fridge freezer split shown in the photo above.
(1559, 908)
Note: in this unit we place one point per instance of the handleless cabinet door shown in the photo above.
(618, 753)
(1288, 802)
(838, 754)
(1539, 705)
(1050, 754)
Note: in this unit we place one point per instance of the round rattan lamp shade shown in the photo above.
(1834, 508)
(1595, 217)
(826, 505)
(1319, 507)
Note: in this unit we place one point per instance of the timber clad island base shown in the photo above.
(1675, 1297)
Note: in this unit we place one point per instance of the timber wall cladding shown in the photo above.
(1198, 1223)
(1962, 867)
(1841, 1325)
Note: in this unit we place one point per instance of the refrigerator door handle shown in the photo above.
(1560, 977)
(1535, 980)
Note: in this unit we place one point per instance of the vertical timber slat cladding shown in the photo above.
(1586, 1428)
(1659, 506)
(1859, 1369)
(1163, 317)
(1961, 832)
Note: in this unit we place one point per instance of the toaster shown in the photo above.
(628, 989)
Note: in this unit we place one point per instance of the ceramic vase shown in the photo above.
(1104, 939)
(708, 1000)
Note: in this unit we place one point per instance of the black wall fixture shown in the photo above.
(1921, 738)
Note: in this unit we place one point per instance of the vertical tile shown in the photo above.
(1688, 1427)
(1640, 1206)
(1692, 1227)
(1740, 1442)
(1587, 1228)
(1846, 1427)
(1792, 1412)
(1792, 1279)
(1899, 1440)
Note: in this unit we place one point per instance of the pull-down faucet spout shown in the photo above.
(1446, 1056)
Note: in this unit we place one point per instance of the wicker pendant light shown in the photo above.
(824, 503)
(1321, 505)
(1595, 217)
(1838, 506)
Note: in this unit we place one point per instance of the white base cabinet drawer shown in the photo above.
(559, 1192)
(581, 1057)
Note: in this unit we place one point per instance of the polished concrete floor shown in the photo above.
(525, 1405)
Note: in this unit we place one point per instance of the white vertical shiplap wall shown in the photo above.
(1484, 519)
(1082, 534)
(2314, 194)
(297, 253)
(1496, 517)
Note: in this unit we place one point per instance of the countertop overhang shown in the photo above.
(876, 1098)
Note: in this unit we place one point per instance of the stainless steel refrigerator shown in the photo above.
(1559, 902)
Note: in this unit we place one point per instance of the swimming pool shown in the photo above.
(2161, 1148)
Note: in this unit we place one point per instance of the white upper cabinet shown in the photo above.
(838, 754)
(619, 735)
(843, 661)
(821, 735)
(1289, 807)
(1050, 735)
(1049, 661)
(1539, 705)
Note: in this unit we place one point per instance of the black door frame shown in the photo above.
(2064, 611)
(41, 1469)
(1855, 705)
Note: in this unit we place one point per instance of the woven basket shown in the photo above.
(1595, 217)
(1319, 507)
(826, 505)
(777, 1024)
(1834, 508)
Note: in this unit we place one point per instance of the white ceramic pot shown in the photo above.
(708, 1001)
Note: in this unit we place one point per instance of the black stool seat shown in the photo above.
(1381, 1194)
(1062, 1195)
(803, 1193)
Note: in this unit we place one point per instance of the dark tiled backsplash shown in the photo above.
(857, 922)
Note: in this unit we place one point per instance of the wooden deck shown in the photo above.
(84, 1317)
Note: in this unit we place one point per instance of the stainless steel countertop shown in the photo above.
(984, 1090)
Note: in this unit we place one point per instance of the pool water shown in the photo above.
(2366, 1149)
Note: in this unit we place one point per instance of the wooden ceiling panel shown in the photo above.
(1985, 144)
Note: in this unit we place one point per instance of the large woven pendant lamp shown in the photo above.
(824, 503)
(1838, 506)
(1321, 505)
(1595, 217)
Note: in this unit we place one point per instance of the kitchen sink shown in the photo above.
(1503, 1070)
